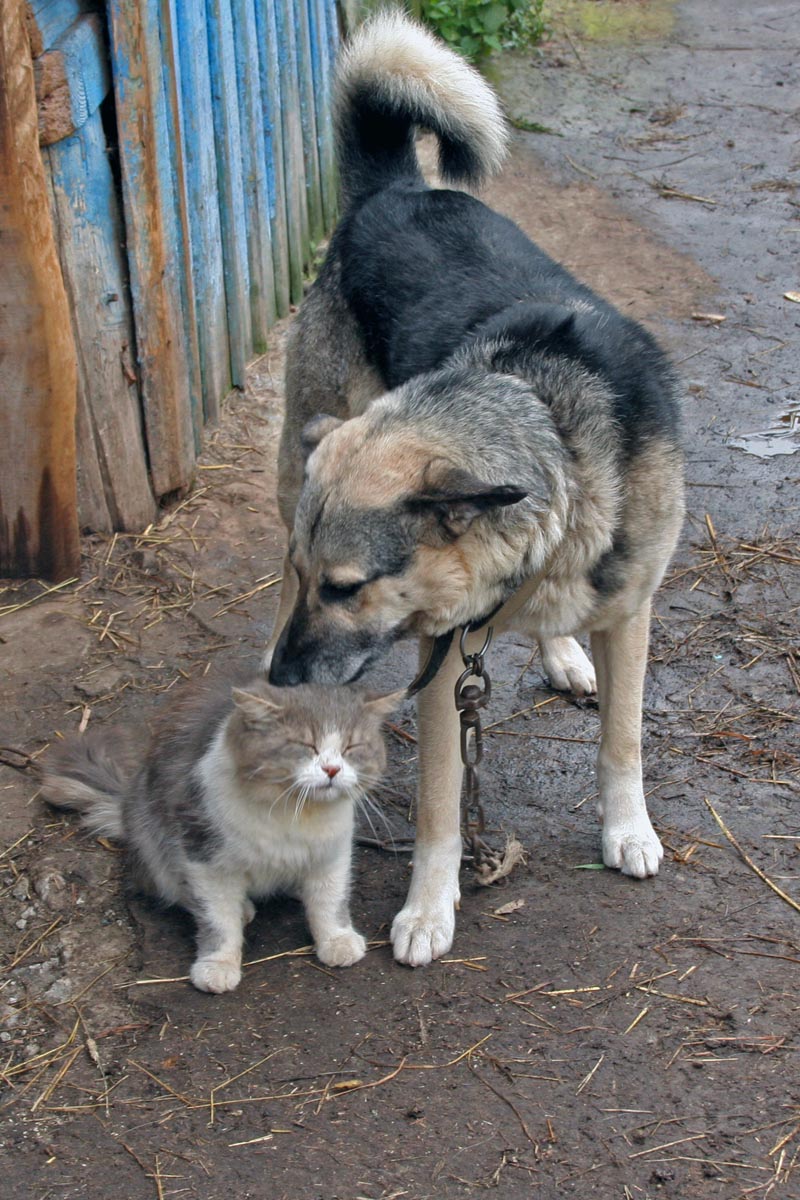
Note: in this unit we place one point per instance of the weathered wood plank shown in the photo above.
(38, 495)
(153, 243)
(209, 314)
(293, 165)
(72, 79)
(90, 236)
(227, 138)
(272, 133)
(323, 52)
(174, 117)
(308, 124)
(47, 20)
(254, 166)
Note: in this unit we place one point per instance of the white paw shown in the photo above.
(248, 911)
(215, 974)
(632, 848)
(419, 936)
(342, 950)
(567, 667)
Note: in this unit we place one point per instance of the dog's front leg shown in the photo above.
(423, 929)
(620, 655)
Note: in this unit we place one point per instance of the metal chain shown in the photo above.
(470, 699)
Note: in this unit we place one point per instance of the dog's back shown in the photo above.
(427, 271)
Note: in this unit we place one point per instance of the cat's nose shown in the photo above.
(331, 771)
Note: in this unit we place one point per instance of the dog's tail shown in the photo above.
(396, 76)
(90, 775)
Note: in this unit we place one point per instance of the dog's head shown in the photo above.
(380, 546)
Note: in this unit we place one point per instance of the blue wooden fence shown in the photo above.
(189, 148)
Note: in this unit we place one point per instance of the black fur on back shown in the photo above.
(426, 272)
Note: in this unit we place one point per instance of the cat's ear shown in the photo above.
(256, 710)
(382, 704)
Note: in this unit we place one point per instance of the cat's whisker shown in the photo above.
(275, 779)
(281, 796)
(301, 800)
(375, 783)
(365, 804)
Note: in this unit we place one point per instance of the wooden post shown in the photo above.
(154, 247)
(38, 377)
(197, 122)
(230, 182)
(267, 34)
(254, 164)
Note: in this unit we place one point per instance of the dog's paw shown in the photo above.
(342, 950)
(418, 937)
(632, 848)
(567, 667)
(215, 975)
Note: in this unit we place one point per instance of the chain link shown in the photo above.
(470, 699)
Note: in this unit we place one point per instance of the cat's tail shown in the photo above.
(395, 77)
(90, 775)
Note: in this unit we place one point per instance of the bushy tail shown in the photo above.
(90, 775)
(395, 76)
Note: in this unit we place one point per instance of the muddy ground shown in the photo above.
(588, 1034)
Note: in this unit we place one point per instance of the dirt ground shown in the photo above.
(588, 1034)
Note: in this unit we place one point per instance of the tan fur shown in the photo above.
(381, 468)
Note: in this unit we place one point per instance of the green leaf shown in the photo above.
(493, 17)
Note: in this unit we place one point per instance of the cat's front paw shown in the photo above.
(342, 950)
(215, 975)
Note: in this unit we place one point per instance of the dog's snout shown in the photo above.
(284, 674)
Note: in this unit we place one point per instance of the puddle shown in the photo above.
(614, 20)
(783, 438)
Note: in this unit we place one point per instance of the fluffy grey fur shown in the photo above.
(240, 793)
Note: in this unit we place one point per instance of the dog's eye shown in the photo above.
(332, 593)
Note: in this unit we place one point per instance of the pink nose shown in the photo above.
(331, 771)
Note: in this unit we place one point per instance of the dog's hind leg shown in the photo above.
(423, 929)
(620, 654)
(567, 667)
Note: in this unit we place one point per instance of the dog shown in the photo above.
(469, 431)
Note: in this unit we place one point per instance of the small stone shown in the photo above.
(60, 991)
(21, 889)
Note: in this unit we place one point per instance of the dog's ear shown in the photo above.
(457, 498)
(316, 429)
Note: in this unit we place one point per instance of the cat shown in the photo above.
(242, 792)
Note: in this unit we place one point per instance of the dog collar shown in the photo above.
(440, 647)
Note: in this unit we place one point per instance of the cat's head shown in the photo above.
(322, 743)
